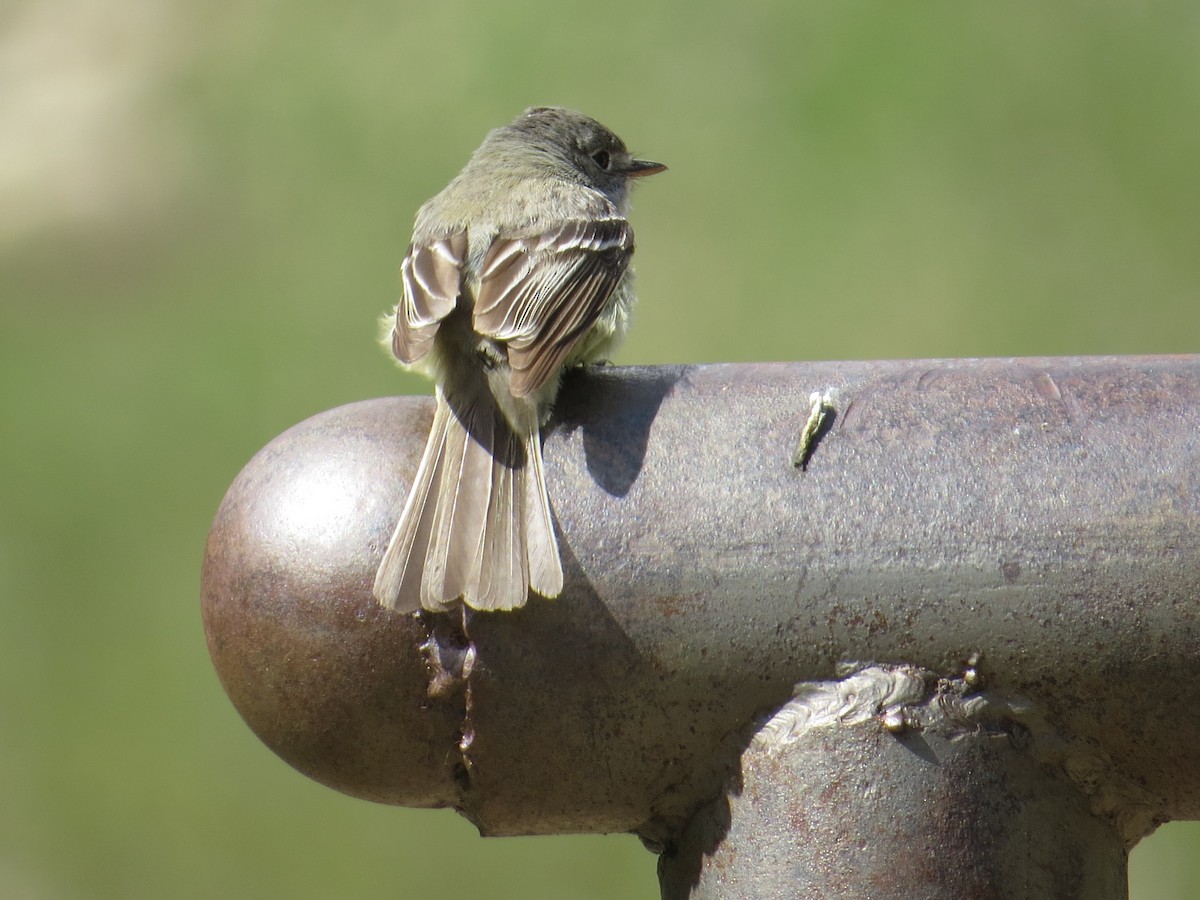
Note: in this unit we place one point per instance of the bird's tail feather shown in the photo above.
(477, 522)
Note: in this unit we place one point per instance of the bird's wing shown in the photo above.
(539, 293)
(431, 275)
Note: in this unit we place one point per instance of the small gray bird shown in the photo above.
(517, 270)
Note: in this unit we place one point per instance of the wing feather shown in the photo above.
(431, 278)
(539, 293)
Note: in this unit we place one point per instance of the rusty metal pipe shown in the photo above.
(1026, 532)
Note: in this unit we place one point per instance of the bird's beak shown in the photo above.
(639, 168)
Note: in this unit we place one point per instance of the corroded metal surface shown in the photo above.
(1044, 514)
(945, 802)
(330, 681)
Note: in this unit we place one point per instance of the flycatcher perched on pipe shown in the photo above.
(517, 270)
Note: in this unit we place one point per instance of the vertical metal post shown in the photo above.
(866, 788)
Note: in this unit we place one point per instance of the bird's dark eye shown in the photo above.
(601, 158)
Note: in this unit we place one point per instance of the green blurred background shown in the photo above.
(202, 209)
